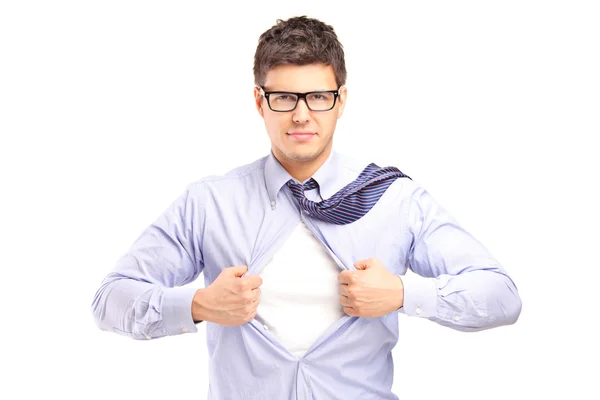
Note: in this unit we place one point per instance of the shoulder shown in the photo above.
(351, 164)
(237, 177)
(403, 187)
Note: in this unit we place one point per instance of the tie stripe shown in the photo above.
(353, 201)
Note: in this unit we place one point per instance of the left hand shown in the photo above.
(371, 291)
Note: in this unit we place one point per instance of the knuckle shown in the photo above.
(247, 298)
(249, 317)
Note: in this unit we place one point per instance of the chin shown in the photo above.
(300, 155)
(306, 155)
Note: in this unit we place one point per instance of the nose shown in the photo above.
(301, 112)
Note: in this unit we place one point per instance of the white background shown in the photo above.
(109, 109)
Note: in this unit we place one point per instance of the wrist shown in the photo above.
(400, 293)
(199, 311)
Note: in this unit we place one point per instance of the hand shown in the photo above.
(371, 291)
(231, 300)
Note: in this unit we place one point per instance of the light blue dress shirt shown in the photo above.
(243, 217)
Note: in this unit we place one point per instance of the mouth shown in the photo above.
(302, 136)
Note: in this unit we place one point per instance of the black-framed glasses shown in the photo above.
(321, 100)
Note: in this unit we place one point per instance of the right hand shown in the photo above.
(231, 300)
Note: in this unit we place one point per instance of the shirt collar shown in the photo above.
(327, 176)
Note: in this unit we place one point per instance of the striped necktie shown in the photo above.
(353, 201)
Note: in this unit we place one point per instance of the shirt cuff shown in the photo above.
(420, 296)
(177, 310)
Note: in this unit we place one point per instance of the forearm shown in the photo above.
(143, 297)
(142, 310)
(459, 283)
(471, 301)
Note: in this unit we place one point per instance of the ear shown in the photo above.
(258, 100)
(342, 96)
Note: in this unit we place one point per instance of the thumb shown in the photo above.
(361, 265)
(238, 270)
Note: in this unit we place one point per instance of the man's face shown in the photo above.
(284, 127)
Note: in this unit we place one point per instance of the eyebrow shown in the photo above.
(291, 91)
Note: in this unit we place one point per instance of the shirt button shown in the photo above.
(266, 327)
(148, 337)
(273, 203)
(418, 310)
(456, 317)
(184, 329)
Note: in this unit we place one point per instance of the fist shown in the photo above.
(231, 300)
(371, 291)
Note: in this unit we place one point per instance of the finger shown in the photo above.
(237, 271)
(344, 289)
(344, 277)
(253, 281)
(350, 311)
(360, 265)
(345, 301)
(256, 294)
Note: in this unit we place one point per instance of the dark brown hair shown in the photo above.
(299, 41)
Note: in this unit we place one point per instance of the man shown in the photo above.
(304, 251)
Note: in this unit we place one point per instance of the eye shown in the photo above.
(320, 96)
(284, 97)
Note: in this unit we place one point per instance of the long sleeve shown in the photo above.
(458, 283)
(141, 297)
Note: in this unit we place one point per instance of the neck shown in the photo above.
(302, 170)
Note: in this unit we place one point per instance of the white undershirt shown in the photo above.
(300, 291)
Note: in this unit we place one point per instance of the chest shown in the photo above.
(251, 236)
